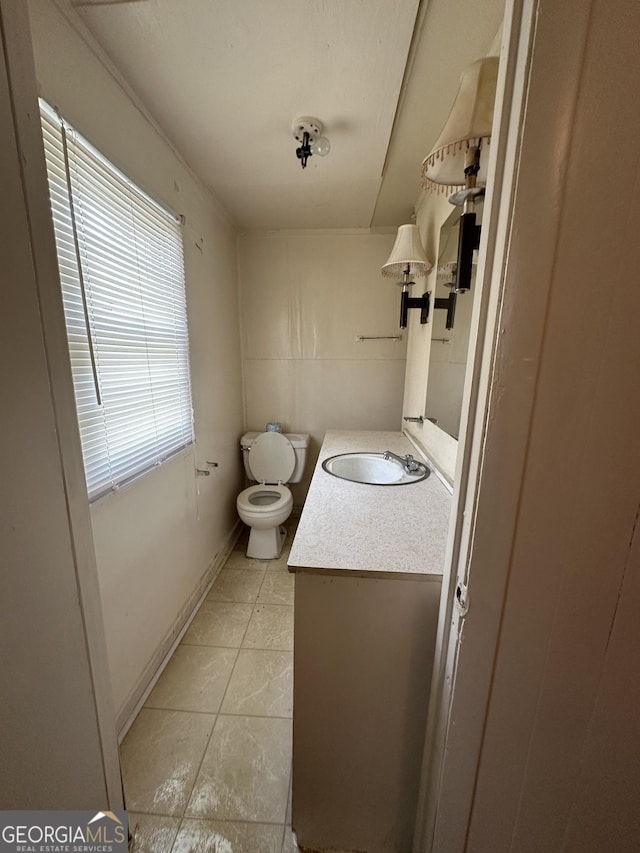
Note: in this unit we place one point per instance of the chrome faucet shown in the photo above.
(407, 462)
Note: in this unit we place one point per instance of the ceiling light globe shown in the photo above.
(321, 146)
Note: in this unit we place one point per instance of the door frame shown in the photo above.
(22, 91)
(507, 337)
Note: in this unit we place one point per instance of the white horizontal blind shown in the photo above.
(122, 271)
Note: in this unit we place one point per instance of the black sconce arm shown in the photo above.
(449, 304)
(468, 242)
(407, 302)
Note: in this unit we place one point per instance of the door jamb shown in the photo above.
(518, 35)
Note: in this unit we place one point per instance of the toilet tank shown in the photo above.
(300, 442)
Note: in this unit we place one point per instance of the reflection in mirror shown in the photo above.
(449, 347)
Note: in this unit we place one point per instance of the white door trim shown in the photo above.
(23, 93)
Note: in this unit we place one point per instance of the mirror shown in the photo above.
(449, 347)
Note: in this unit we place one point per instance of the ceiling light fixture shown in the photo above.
(308, 132)
(454, 160)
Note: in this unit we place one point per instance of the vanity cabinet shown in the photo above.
(368, 565)
(363, 652)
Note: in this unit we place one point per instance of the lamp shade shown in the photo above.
(408, 253)
(468, 126)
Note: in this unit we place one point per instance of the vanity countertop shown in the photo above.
(371, 530)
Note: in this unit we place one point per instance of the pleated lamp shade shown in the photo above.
(468, 126)
(408, 253)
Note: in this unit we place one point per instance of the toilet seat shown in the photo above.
(262, 499)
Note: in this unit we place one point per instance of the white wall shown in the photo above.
(156, 539)
(305, 296)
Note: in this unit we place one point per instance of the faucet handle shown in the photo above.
(411, 463)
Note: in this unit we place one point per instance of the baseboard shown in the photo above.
(161, 658)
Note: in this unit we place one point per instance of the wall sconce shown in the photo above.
(308, 132)
(408, 260)
(455, 159)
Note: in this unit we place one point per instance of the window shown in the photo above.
(122, 272)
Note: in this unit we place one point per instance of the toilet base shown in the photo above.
(266, 544)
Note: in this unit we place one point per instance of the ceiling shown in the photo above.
(225, 79)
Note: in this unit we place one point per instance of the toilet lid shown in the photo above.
(272, 458)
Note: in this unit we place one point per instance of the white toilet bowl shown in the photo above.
(264, 509)
(272, 460)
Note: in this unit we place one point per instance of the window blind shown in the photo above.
(121, 264)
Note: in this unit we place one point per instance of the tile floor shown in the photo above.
(207, 762)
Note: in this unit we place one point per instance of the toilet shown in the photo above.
(273, 459)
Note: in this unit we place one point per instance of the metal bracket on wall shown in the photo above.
(449, 304)
(407, 302)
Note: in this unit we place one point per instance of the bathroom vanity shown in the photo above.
(368, 562)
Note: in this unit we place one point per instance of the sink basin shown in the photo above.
(373, 469)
